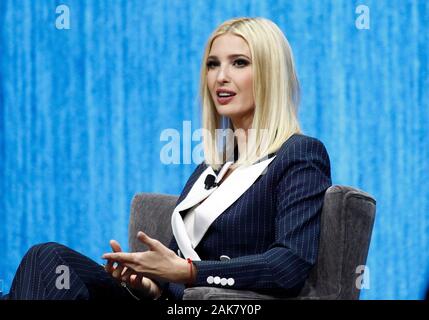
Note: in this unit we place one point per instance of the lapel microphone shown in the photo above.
(209, 182)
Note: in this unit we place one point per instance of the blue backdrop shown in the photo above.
(82, 111)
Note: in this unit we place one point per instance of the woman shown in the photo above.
(248, 218)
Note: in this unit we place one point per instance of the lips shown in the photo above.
(224, 96)
(225, 100)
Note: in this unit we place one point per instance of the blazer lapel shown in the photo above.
(226, 194)
(197, 194)
(206, 213)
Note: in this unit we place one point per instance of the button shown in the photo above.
(209, 279)
(216, 280)
(231, 281)
(224, 258)
(223, 281)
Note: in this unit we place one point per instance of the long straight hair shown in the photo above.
(276, 94)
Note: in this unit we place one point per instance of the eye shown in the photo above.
(241, 63)
(211, 64)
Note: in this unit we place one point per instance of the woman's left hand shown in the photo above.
(159, 262)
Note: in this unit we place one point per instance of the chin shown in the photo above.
(231, 111)
(227, 110)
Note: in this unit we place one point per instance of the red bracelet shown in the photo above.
(190, 269)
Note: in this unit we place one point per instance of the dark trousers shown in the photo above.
(53, 271)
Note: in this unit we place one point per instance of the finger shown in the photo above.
(134, 280)
(150, 242)
(109, 266)
(145, 283)
(127, 274)
(121, 257)
(118, 271)
(122, 267)
(116, 247)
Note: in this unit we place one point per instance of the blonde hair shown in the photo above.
(275, 88)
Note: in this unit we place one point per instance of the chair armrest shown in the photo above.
(213, 293)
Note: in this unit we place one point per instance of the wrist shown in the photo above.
(187, 272)
(192, 273)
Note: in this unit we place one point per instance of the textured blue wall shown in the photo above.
(81, 112)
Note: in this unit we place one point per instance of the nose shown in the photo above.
(222, 75)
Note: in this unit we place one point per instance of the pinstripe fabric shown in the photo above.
(36, 276)
(271, 232)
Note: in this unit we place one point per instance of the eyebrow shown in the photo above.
(231, 56)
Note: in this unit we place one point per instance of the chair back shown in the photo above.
(346, 225)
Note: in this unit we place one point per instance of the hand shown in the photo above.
(158, 263)
(133, 279)
(115, 271)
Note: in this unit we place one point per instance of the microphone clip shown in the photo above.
(209, 182)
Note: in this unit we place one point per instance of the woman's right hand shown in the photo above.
(134, 279)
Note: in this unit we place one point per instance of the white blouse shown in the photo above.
(190, 215)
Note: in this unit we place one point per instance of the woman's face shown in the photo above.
(230, 78)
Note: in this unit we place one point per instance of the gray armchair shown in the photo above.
(347, 220)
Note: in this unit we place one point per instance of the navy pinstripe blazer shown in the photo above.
(271, 233)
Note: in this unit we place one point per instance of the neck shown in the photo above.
(241, 127)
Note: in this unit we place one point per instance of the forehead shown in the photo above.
(228, 44)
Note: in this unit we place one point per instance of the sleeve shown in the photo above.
(286, 264)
